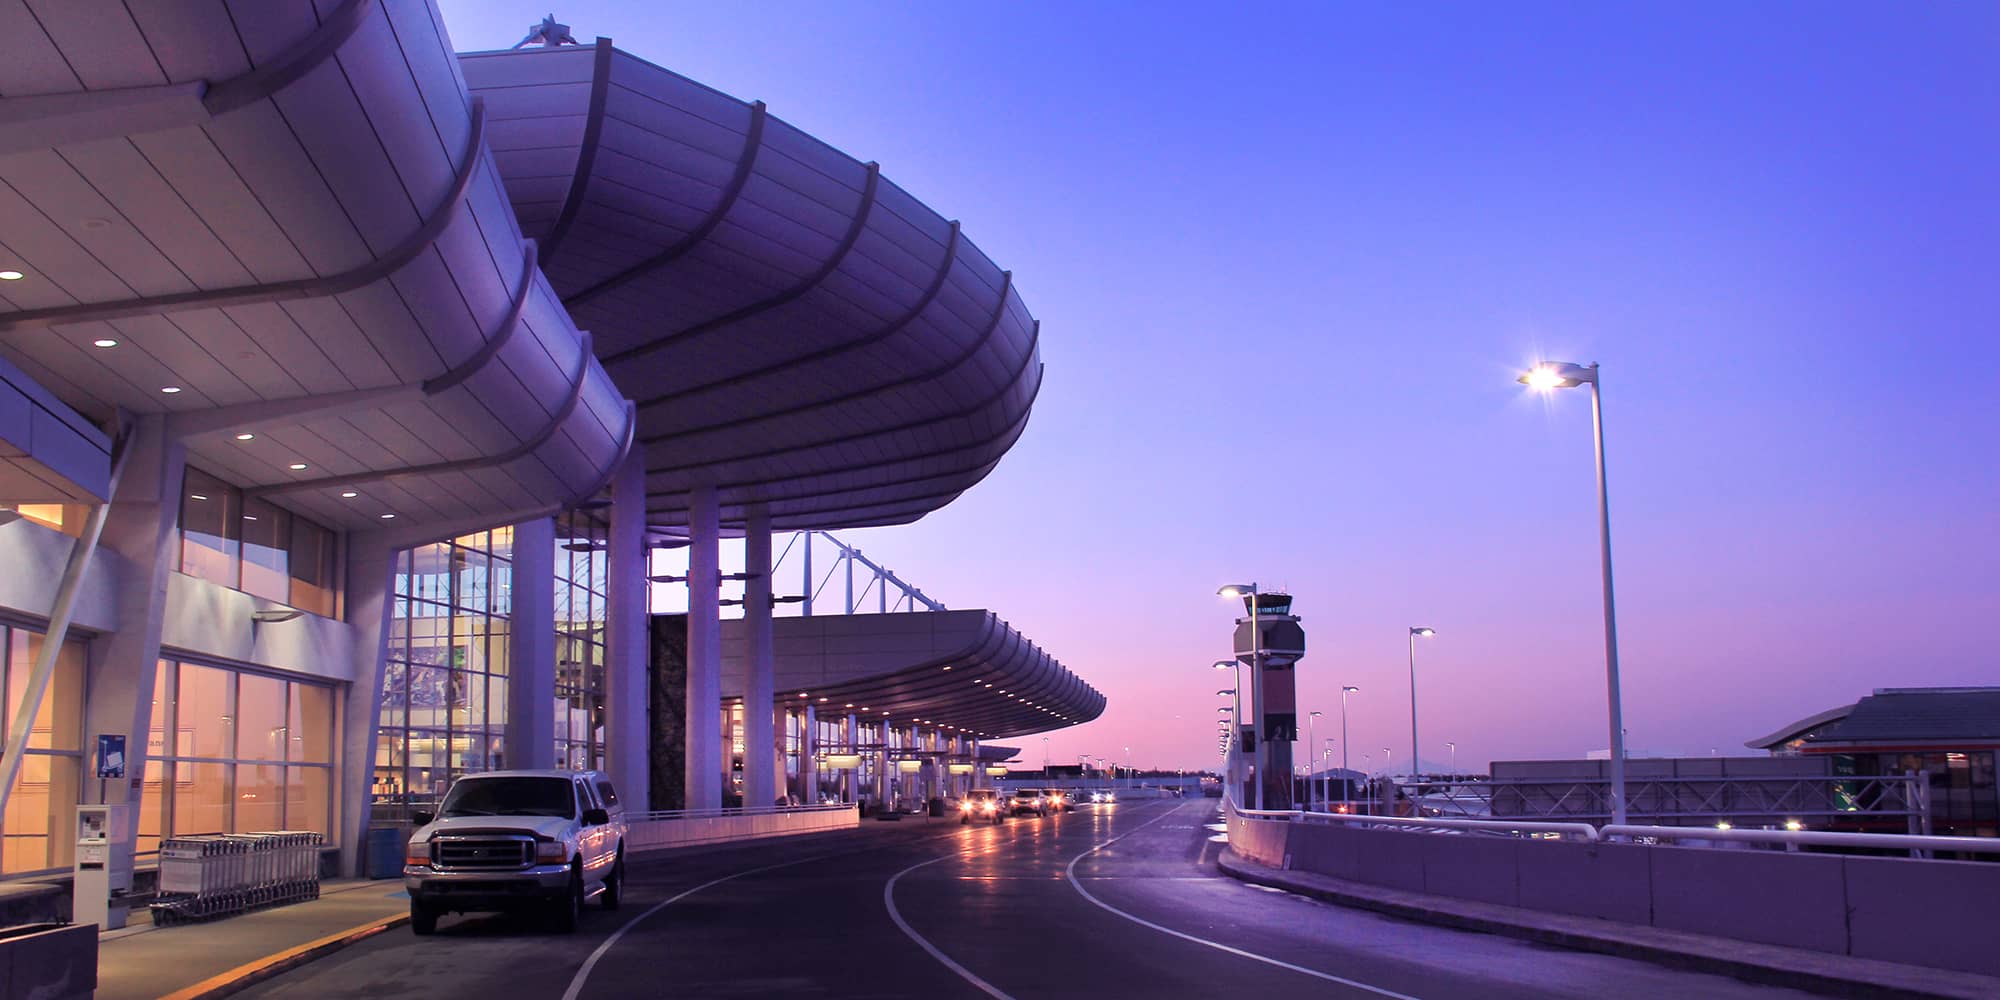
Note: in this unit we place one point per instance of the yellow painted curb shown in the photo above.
(264, 968)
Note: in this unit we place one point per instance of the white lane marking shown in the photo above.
(576, 983)
(1070, 873)
(889, 900)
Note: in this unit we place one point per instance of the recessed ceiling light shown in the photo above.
(249, 517)
(196, 496)
(386, 517)
(104, 342)
(297, 467)
(348, 494)
(11, 276)
(171, 389)
(245, 436)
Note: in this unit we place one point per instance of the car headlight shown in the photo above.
(551, 852)
(965, 806)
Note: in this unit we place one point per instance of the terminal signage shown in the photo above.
(111, 755)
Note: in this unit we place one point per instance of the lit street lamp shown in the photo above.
(1550, 375)
(1416, 753)
(1236, 730)
(1256, 681)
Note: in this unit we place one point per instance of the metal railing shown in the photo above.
(1901, 800)
(1515, 828)
(1919, 846)
(667, 815)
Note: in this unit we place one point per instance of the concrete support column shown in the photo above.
(626, 649)
(851, 737)
(759, 744)
(371, 585)
(142, 527)
(531, 682)
(808, 773)
(882, 765)
(705, 757)
(978, 771)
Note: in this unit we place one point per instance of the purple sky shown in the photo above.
(1288, 262)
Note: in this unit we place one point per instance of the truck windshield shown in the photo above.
(510, 797)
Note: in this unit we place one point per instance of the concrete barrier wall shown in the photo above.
(1937, 914)
(653, 835)
(49, 963)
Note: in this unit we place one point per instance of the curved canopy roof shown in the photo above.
(795, 329)
(284, 231)
(965, 672)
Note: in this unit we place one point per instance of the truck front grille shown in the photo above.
(488, 852)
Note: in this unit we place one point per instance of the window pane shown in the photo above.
(267, 534)
(260, 797)
(307, 799)
(163, 685)
(201, 798)
(64, 517)
(210, 529)
(41, 815)
(58, 722)
(152, 805)
(203, 716)
(260, 718)
(312, 568)
(312, 724)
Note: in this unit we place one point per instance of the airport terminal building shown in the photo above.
(347, 385)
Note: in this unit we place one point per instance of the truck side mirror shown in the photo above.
(422, 817)
(595, 817)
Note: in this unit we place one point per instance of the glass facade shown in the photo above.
(67, 518)
(255, 547)
(232, 751)
(1963, 798)
(41, 810)
(444, 686)
(580, 615)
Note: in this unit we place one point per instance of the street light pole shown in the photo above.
(1453, 747)
(1256, 684)
(1558, 375)
(1416, 753)
(1310, 716)
(1346, 788)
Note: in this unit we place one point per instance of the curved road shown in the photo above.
(1107, 901)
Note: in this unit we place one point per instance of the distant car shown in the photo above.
(982, 804)
(1029, 800)
(1059, 800)
(1103, 796)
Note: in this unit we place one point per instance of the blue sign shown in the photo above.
(110, 755)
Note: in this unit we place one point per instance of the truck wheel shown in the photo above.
(614, 883)
(568, 907)
(423, 919)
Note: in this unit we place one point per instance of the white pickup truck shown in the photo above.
(518, 839)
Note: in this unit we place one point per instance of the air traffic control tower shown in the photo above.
(1269, 635)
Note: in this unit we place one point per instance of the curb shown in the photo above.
(247, 975)
(1443, 913)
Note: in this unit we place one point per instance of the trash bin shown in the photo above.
(385, 852)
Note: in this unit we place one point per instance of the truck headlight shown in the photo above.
(551, 852)
(418, 855)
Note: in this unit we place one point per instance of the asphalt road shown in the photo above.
(1110, 901)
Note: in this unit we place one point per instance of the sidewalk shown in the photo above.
(1820, 972)
(141, 962)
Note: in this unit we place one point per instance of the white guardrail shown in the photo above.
(1916, 844)
(685, 827)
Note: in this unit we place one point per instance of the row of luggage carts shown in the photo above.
(210, 875)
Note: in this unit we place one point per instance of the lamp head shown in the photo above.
(1237, 590)
(1314, 715)
(1557, 375)
(1423, 630)
(1225, 664)
(1350, 689)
